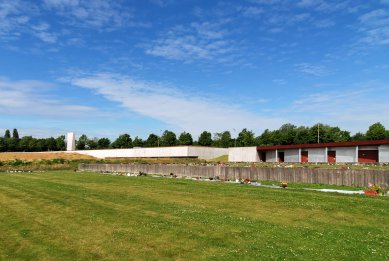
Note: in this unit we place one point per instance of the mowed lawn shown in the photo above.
(87, 216)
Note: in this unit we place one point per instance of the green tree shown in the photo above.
(26, 143)
(223, 139)
(91, 144)
(138, 142)
(12, 144)
(376, 132)
(124, 141)
(185, 139)
(51, 144)
(7, 134)
(60, 142)
(168, 138)
(3, 146)
(205, 139)
(103, 143)
(15, 134)
(152, 141)
(245, 138)
(265, 139)
(81, 142)
(359, 136)
(302, 135)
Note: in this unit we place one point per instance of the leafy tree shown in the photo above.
(265, 139)
(152, 141)
(12, 144)
(51, 144)
(81, 142)
(302, 135)
(103, 143)
(205, 139)
(3, 146)
(7, 134)
(376, 132)
(185, 139)
(123, 141)
(359, 136)
(60, 142)
(15, 134)
(40, 145)
(138, 142)
(222, 139)
(26, 143)
(91, 144)
(245, 138)
(168, 138)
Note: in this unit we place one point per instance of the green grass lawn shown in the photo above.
(87, 216)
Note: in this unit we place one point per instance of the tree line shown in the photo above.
(287, 134)
(28, 143)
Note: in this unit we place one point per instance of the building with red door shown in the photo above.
(374, 151)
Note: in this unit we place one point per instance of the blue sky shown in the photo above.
(104, 67)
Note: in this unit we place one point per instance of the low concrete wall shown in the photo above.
(348, 177)
(157, 152)
(292, 155)
(243, 154)
(383, 153)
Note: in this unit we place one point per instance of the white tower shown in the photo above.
(71, 141)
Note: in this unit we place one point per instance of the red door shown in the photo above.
(304, 156)
(331, 156)
(368, 156)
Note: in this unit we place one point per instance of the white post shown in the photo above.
(71, 141)
(300, 155)
(326, 155)
(356, 154)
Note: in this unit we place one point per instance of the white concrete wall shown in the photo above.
(243, 154)
(206, 152)
(317, 155)
(383, 153)
(346, 154)
(271, 156)
(291, 155)
(158, 152)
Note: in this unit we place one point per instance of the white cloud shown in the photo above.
(310, 69)
(11, 18)
(98, 14)
(375, 27)
(35, 98)
(201, 41)
(351, 109)
(41, 31)
(184, 111)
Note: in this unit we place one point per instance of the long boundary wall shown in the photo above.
(157, 152)
(347, 177)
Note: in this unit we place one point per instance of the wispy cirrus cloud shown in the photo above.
(353, 107)
(12, 18)
(310, 69)
(183, 111)
(42, 32)
(200, 41)
(375, 27)
(32, 97)
(98, 14)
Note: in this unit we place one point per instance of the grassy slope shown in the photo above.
(57, 216)
(6, 156)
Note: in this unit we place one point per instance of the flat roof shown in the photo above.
(328, 144)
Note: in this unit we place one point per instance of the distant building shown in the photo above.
(374, 151)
